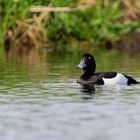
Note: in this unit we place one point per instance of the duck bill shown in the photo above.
(81, 65)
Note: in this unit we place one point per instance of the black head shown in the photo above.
(87, 63)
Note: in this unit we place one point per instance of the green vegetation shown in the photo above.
(100, 22)
(97, 24)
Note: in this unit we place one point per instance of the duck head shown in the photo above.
(87, 63)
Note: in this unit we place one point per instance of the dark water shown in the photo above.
(40, 99)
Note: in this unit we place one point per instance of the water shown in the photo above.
(40, 99)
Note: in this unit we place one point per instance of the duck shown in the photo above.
(89, 75)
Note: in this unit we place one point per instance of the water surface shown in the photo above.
(40, 99)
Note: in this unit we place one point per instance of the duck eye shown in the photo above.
(89, 58)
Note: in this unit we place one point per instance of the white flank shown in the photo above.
(119, 79)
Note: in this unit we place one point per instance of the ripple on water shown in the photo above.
(50, 110)
(42, 102)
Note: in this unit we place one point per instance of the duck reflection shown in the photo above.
(88, 90)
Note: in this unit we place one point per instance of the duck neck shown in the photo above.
(87, 74)
(89, 70)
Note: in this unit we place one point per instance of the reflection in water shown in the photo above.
(21, 53)
(26, 60)
(87, 90)
(43, 101)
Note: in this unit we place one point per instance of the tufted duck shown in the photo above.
(89, 76)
